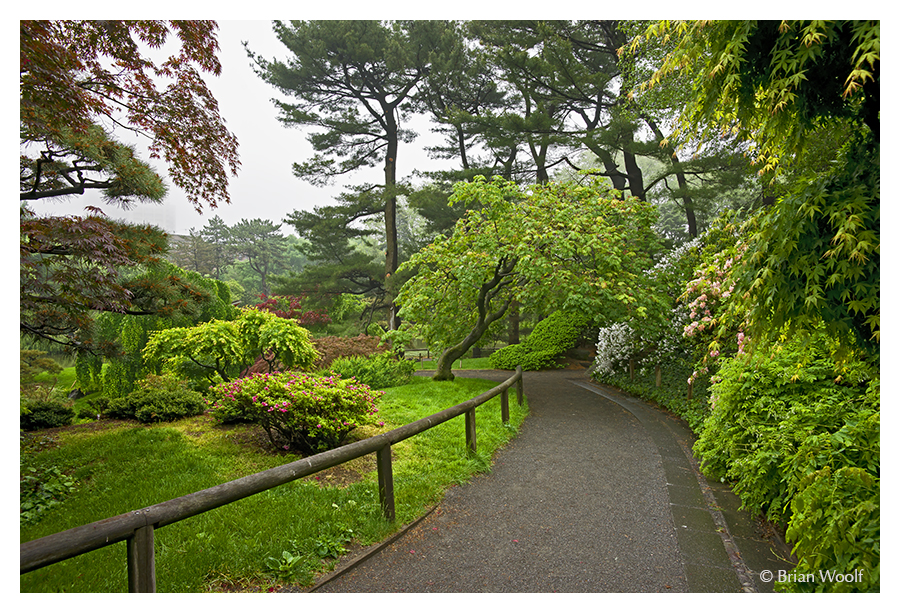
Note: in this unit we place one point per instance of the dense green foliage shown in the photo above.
(116, 373)
(41, 405)
(773, 81)
(814, 255)
(300, 412)
(798, 434)
(817, 256)
(550, 338)
(559, 246)
(50, 412)
(378, 371)
(156, 399)
(226, 348)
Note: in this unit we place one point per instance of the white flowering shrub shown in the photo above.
(615, 344)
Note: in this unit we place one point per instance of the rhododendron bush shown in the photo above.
(299, 412)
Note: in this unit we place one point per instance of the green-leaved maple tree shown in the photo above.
(557, 246)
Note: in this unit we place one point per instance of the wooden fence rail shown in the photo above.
(137, 527)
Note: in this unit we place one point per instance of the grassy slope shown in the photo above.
(129, 466)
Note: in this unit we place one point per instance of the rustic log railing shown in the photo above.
(137, 527)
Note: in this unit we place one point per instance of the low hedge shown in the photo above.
(158, 398)
(378, 371)
(45, 413)
(549, 340)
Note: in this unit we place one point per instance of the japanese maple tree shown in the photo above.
(78, 82)
(79, 79)
(558, 246)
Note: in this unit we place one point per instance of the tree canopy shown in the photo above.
(78, 80)
(354, 81)
(549, 247)
(814, 254)
(773, 82)
(72, 268)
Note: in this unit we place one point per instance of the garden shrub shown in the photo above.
(50, 412)
(550, 338)
(298, 411)
(32, 364)
(377, 371)
(615, 346)
(797, 433)
(225, 349)
(158, 398)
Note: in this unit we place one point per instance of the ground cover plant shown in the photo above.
(284, 535)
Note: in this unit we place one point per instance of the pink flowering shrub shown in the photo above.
(716, 321)
(299, 412)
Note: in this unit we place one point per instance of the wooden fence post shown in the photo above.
(504, 406)
(386, 482)
(470, 431)
(141, 561)
(658, 376)
(631, 368)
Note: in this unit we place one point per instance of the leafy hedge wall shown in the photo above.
(550, 338)
(796, 430)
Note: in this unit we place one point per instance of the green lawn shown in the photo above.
(284, 535)
(464, 364)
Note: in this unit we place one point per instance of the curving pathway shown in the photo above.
(598, 493)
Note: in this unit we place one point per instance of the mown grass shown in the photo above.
(463, 364)
(284, 535)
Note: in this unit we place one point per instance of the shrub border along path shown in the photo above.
(598, 493)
